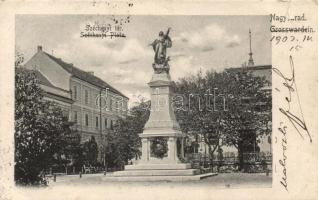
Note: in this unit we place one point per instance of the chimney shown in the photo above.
(39, 48)
(91, 72)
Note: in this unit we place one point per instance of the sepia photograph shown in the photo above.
(143, 99)
(173, 100)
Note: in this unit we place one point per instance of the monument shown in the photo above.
(162, 141)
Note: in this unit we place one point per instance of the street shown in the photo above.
(94, 186)
(224, 180)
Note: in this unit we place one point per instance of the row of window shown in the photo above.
(75, 96)
(98, 102)
(97, 121)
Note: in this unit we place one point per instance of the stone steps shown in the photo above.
(170, 172)
(157, 178)
(154, 166)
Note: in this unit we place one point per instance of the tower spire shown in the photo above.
(250, 60)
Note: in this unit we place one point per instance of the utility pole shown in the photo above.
(101, 125)
(100, 115)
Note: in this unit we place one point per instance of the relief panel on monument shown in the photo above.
(159, 147)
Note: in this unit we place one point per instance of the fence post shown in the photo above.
(80, 174)
(54, 178)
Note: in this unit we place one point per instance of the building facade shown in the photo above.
(89, 102)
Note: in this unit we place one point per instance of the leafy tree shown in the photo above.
(222, 108)
(90, 151)
(71, 153)
(74, 149)
(249, 115)
(19, 57)
(123, 142)
(200, 110)
(39, 127)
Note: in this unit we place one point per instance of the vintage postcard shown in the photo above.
(159, 100)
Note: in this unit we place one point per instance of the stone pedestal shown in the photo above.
(161, 124)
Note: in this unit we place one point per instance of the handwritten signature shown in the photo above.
(297, 121)
(283, 162)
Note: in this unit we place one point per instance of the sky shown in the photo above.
(198, 43)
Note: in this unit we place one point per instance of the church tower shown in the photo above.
(250, 60)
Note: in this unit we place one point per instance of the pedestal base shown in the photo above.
(158, 166)
(148, 170)
(166, 172)
(157, 178)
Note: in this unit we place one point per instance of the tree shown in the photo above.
(200, 110)
(73, 149)
(19, 57)
(90, 151)
(123, 142)
(39, 127)
(250, 112)
(214, 107)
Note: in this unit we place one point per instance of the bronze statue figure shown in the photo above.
(160, 46)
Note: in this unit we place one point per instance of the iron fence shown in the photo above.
(253, 162)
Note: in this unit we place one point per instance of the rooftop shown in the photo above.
(83, 75)
(252, 68)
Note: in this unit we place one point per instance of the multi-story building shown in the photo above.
(88, 101)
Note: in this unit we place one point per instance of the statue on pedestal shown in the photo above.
(162, 143)
(160, 46)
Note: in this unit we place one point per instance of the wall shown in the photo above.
(51, 70)
(92, 109)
